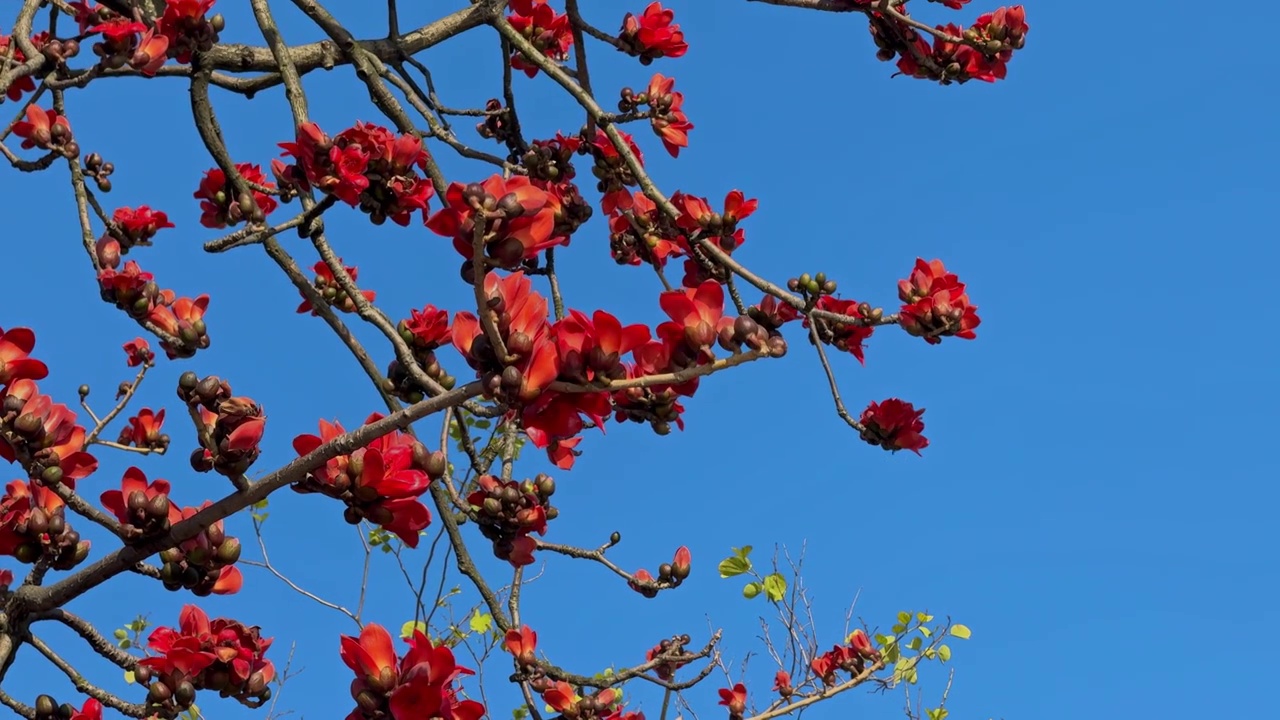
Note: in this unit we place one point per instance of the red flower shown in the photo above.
(421, 686)
(652, 35)
(894, 425)
(129, 503)
(681, 565)
(735, 699)
(782, 683)
(366, 165)
(137, 352)
(16, 345)
(217, 654)
(57, 440)
(138, 227)
(667, 116)
(861, 644)
(518, 217)
(612, 170)
(327, 285)
(526, 334)
(152, 50)
(426, 329)
(219, 204)
(185, 25)
(561, 697)
(509, 512)
(47, 130)
(641, 233)
(380, 482)
(522, 644)
(182, 318)
(936, 304)
(144, 430)
(550, 32)
(847, 337)
(697, 316)
(562, 453)
(591, 348)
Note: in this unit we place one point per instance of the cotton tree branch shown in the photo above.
(96, 640)
(134, 710)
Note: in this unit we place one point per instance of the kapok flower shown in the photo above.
(894, 425)
(522, 643)
(735, 699)
(518, 220)
(16, 362)
(549, 31)
(138, 351)
(220, 204)
(326, 283)
(652, 35)
(47, 130)
(936, 304)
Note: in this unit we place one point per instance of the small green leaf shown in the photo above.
(734, 566)
(925, 631)
(944, 653)
(406, 630)
(775, 587)
(752, 590)
(129, 677)
(914, 644)
(924, 617)
(937, 714)
(520, 713)
(742, 552)
(899, 628)
(125, 644)
(960, 631)
(904, 617)
(481, 623)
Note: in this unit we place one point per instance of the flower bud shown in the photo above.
(46, 706)
(229, 551)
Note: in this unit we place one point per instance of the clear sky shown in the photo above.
(1095, 498)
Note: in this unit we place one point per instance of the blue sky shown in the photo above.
(1095, 496)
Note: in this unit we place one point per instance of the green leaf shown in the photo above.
(937, 714)
(742, 552)
(129, 677)
(775, 587)
(904, 617)
(520, 713)
(481, 623)
(944, 653)
(121, 633)
(406, 630)
(125, 644)
(734, 566)
(752, 590)
(961, 631)
(924, 617)
(925, 631)
(898, 629)
(914, 644)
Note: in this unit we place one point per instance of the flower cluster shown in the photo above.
(550, 166)
(670, 575)
(515, 220)
(181, 30)
(422, 684)
(651, 35)
(135, 291)
(850, 657)
(221, 655)
(549, 31)
(47, 130)
(42, 435)
(936, 304)
(641, 233)
(144, 431)
(425, 331)
(142, 508)
(222, 205)
(136, 227)
(380, 482)
(509, 512)
(980, 52)
(665, 111)
(33, 526)
(603, 705)
(365, 166)
(205, 564)
(894, 425)
(698, 221)
(231, 428)
(613, 174)
(326, 284)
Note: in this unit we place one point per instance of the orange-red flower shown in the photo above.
(16, 362)
(522, 643)
(735, 699)
(518, 219)
(894, 425)
(548, 30)
(421, 684)
(652, 35)
(936, 304)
